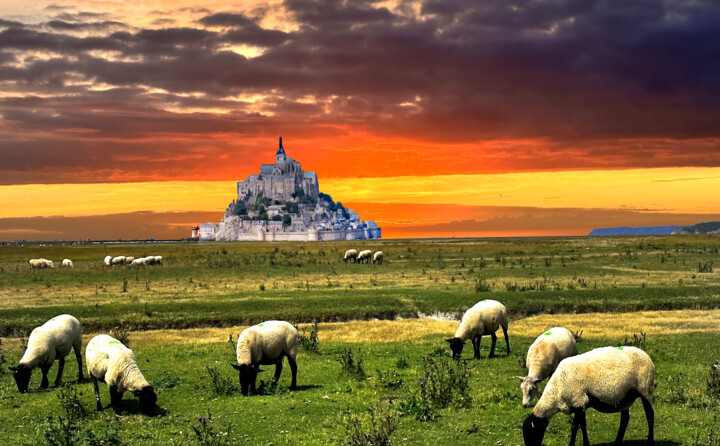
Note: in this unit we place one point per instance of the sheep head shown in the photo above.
(534, 430)
(147, 398)
(248, 375)
(529, 389)
(456, 345)
(21, 374)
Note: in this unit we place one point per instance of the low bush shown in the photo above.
(373, 429)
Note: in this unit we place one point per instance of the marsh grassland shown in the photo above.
(380, 332)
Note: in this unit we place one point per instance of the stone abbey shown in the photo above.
(283, 202)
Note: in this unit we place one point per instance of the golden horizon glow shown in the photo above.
(671, 190)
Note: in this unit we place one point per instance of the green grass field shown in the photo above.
(228, 286)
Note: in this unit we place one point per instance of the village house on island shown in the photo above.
(284, 203)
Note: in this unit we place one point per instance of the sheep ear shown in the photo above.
(12, 368)
(258, 370)
(235, 366)
(521, 378)
(535, 381)
(449, 341)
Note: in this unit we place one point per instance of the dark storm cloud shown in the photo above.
(610, 83)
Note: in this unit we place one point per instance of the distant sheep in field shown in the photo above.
(110, 361)
(48, 342)
(129, 260)
(119, 260)
(378, 257)
(350, 254)
(364, 256)
(142, 261)
(543, 357)
(158, 260)
(67, 263)
(483, 318)
(41, 263)
(108, 260)
(266, 344)
(607, 379)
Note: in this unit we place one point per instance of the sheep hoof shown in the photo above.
(99, 407)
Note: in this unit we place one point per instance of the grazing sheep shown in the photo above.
(108, 260)
(67, 263)
(266, 344)
(37, 263)
(142, 261)
(158, 260)
(483, 318)
(364, 256)
(543, 357)
(119, 260)
(48, 342)
(378, 257)
(129, 259)
(350, 254)
(607, 379)
(110, 361)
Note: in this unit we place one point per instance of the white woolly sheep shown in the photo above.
(378, 257)
(48, 342)
(265, 344)
(607, 379)
(108, 260)
(364, 256)
(543, 357)
(41, 263)
(350, 254)
(108, 360)
(67, 263)
(139, 262)
(129, 259)
(119, 260)
(483, 318)
(158, 260)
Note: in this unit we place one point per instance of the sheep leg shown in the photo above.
(78, 357)
(476, 346)
(650, 415)
(278, 370)
(44, 383)
(507, 340)
(583, 428)
(293, 369)
(624, 419)
(115, 399)
(574, 427)
(97, 393)
(493, 336)
(61, 367)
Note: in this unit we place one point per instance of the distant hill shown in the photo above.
(699, 228)
(640, 230)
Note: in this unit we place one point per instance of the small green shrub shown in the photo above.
(373, 429)
(482, 286)
(639, 341)
(445, 383)
(122, 334)
(706, 267)
(578, 336)
(310, 342)
(713, 381)
(205, 434)
(403, 362)
(389, 380)
(220, 384)
(352, 364)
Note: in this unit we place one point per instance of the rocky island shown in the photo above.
(284, 203)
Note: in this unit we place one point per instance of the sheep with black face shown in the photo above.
(266, 344)
(110, 361)
(607, 379)
(48, 342)
(484, 318)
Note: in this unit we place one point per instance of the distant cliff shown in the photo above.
(699, 228)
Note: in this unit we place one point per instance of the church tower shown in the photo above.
(280, 155)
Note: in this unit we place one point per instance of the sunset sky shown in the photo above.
(433, 118)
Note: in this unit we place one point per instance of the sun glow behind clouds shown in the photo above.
(673, 190)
